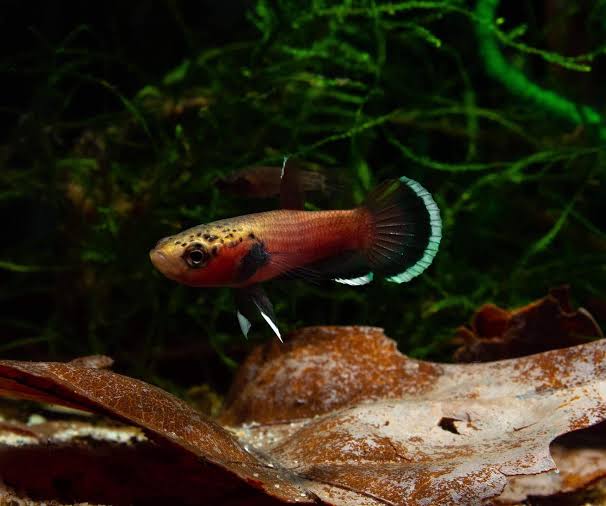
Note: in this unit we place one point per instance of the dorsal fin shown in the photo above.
(291, 186)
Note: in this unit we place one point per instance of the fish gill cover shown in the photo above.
(118, 126)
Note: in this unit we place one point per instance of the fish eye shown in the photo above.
(196, 256)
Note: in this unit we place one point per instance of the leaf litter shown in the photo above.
(336, 415)
(546, 324)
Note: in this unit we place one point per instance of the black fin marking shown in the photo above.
(347, 265)
(250, 298)
(291, 187)
(256, 258)
(407, 229)
(304, 273)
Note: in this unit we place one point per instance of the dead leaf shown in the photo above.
(94, 361)
(581, 461)
(320, 369)
(338, 415)
(546, 324)
(109, 464)
(160, 414)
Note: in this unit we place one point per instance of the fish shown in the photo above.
(263, 181)
(395, 234)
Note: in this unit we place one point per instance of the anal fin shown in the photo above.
(348, 268)
(359, 281)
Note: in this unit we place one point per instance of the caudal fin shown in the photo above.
(407, 229)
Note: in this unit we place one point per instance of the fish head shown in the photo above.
(198, 257)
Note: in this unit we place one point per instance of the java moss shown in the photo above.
(120, 124)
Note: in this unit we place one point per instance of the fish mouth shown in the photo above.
(157, 257)
(165, 264)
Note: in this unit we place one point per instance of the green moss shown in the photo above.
(106, 153)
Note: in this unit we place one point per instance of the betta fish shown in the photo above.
(263, 181)
(394, 234)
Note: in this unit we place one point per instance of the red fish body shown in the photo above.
(242, 251)
(395, 234)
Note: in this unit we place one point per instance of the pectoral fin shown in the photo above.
(252, 299)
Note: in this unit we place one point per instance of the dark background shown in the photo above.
(117, 119)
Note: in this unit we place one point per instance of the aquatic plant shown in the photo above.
(115, 142)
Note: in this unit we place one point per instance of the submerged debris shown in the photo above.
(546, 324)
(336, 414)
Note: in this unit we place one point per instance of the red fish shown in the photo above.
(396, 234)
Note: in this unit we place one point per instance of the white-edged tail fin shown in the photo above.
(407, 229)
(435, 235)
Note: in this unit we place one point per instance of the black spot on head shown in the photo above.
(229, 236)
(240, 239)
(222, 241)
(206, 236)
(214, 250)
(199, 234)
(251, 235)
(211, 238)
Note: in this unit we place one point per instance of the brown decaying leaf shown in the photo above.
(546, 324)
(162, 415)
(581, 460)
(100, 464)
(338, 415)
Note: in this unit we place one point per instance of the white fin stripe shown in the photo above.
(433, 242)
(272, 325)
(362, 280)
(244, 324)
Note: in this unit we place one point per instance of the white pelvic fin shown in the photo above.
(244, 324)
(272, 325)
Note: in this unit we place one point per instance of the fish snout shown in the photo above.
(157, 257)
(164, 259)
(161, 261)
